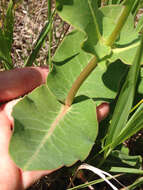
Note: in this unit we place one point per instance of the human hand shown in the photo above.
(13, 84)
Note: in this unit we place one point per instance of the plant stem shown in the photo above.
(49, 9)
(50, 34)
(49, 51)
(93, 63)
(81, 78)
(136, 106)
(120, 23)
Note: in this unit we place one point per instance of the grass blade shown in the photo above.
(100, 173)
(126, 170)
(93, 182)
(39, 43)
(6, 37)
(124, 102)
(133, 125)
(135, 7)
(136, 184)
(140, 24)
(50, 35)
(9, 24)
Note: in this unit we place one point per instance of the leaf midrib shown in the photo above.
(64, 109)
(118, 50)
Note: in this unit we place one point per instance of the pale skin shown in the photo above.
(13, 84)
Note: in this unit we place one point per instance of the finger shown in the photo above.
(20, 81)
(7, 110)
(5, 133)
(102, 111)
(6, 124)
(6, 118)
(27, 178)
(9, 173)
(30, 177)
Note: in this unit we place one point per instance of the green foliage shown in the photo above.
(124, 105)
(44, 125)
(69, 62)
(48, 132)
(121, 160)
(38, 44)
(85, 17)
(139, 27)
(6, 37)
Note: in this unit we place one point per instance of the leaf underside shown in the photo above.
(69, 62)
(82, 17)
(48, 135)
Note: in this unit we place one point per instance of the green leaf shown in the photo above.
(86, 17)
(134, 161)
(122, 159)
(38, 44)
(70, 60)
(124, 104)
(48, 135)
(4, 53)
(126, 45)
(97, 25)
(134, 124)
(6, 37)
(136, 184)
(139, 26)
(126, 53)
(126, 170)
(140, 86)
(92, 183)
(110, 2)
(8, 25)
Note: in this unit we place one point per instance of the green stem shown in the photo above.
(81, 78)
(120, 23)
(93, 63)
(50, 34)
(49, 9)
(49, 51)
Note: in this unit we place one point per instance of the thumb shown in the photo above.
(20, 81)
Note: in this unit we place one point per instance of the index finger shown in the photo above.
(20, 81)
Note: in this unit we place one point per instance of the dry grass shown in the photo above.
(30, 17)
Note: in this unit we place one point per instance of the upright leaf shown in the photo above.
(6, 37)
(4, 53)
(70, 60)
(134, 124)
(39, 43)
(139, 26)
(86, 17)
(8, 25)
(136, 184)
(124, 102)
(127, 44)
